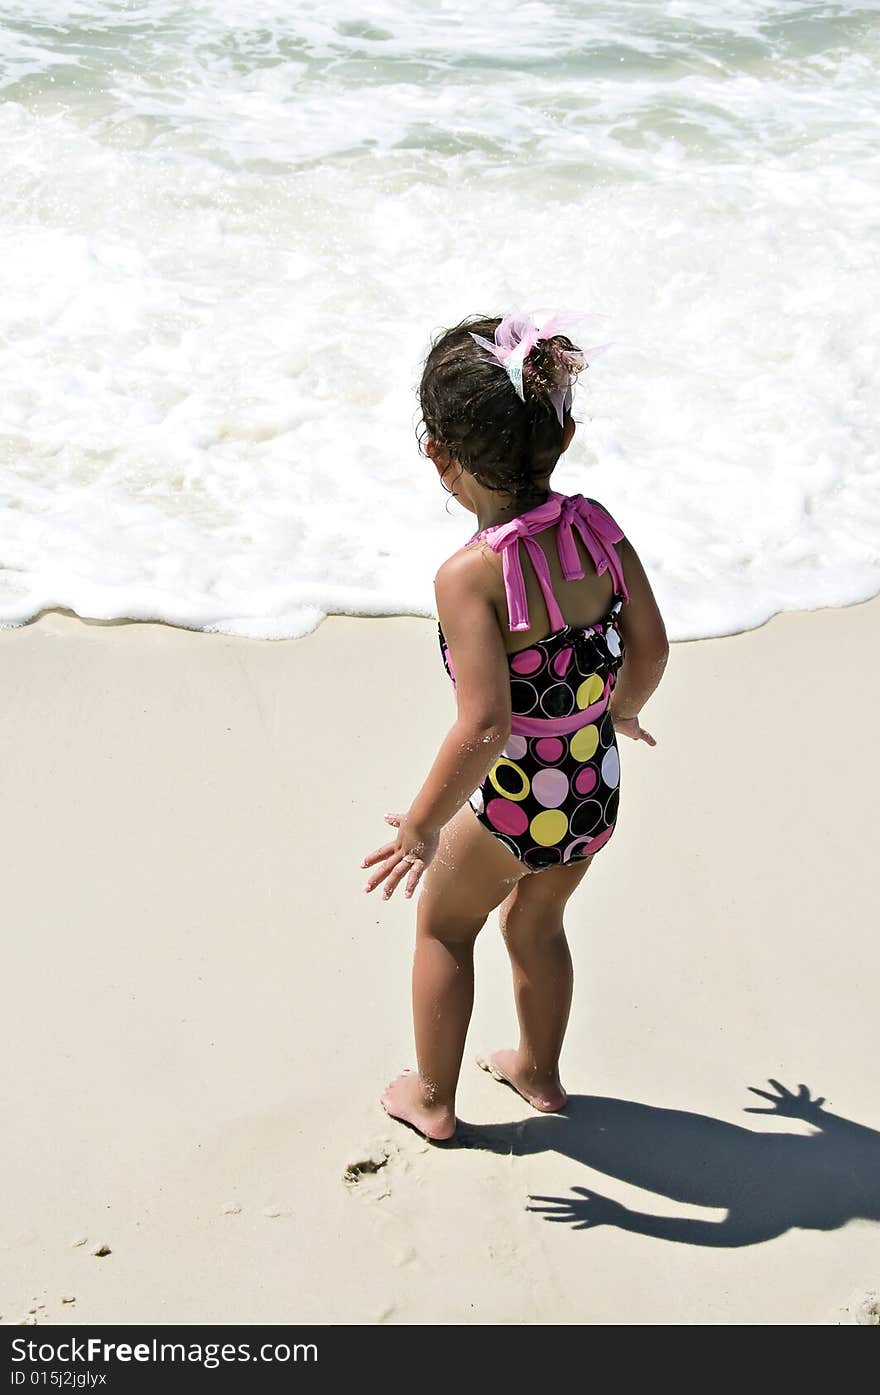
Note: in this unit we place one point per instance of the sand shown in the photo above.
(201, 1006)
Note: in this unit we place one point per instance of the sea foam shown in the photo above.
(229, 232)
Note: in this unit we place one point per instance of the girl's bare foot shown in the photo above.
(505, 1066)
(404, 1099)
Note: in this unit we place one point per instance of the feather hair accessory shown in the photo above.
(514, 339)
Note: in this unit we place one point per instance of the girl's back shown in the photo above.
(583, 601)
(552, 796)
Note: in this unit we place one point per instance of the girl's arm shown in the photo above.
(482, 683)
(647, 648)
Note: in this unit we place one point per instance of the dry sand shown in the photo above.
(201, 1006)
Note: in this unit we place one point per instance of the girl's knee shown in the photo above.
(451, 931)
(523, 920)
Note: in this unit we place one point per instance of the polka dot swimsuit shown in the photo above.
(551, 797)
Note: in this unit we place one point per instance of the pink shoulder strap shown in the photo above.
(595, 526)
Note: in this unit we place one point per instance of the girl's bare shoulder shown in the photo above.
(472, 564)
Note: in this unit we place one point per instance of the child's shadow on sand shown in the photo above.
(768, 1183)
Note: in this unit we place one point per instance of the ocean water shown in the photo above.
(228, 231)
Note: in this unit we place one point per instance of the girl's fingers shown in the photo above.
(379, 855)
(393, 819)
(380, 874)
(395, 876)
(629, 726)
(412, 880)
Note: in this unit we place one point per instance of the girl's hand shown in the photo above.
(407, 856)
(629, 726)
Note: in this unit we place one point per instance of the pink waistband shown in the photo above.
(560, 726)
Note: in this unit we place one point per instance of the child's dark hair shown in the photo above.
(470, 407)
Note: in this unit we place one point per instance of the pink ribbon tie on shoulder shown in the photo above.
(596, 528)
(598, 532)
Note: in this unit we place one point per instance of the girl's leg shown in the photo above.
(531, 922)
(470, 875)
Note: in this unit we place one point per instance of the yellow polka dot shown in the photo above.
(520, 775)
(590, 691)
(549, 827)
(584, 742)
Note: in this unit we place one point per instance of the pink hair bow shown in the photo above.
(517, 335)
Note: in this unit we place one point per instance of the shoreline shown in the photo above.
(203, 1007)
(123, 620)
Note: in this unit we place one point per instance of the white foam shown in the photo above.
(227, 237)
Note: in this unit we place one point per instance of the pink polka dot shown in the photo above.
(507, 816)
(549, 749)
(585, 847)
(527, 661)
(586, 779)
(550, 788)
(562, 663)
(601, 839)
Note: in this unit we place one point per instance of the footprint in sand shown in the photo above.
(371, 1161)
(862, 1310)
(866, 1310)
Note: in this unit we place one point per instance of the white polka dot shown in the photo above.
(611, 767)
(516, 748)
(476, 801)
(612, 639)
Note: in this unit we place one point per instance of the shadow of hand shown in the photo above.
(593, 1210)
(787, 1105)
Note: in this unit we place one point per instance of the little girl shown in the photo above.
(536, 613)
